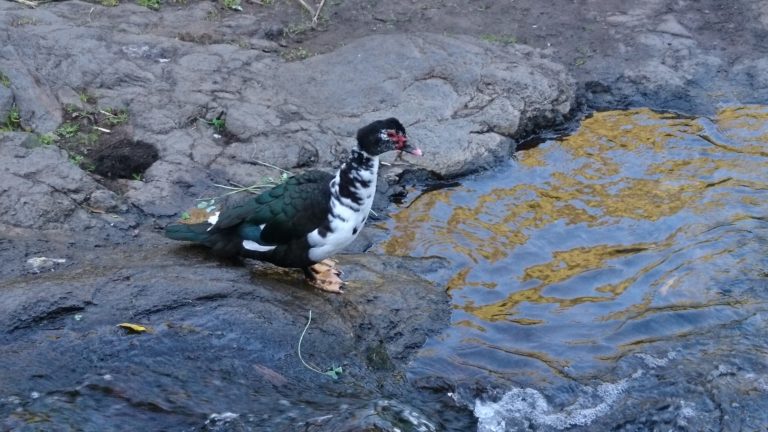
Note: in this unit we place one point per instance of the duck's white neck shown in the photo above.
(352, 193)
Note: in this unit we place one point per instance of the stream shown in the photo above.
(615, 277)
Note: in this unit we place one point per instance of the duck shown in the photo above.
(308, 218)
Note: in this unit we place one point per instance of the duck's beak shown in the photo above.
(412, 150)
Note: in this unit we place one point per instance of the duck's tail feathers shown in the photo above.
(197, 233)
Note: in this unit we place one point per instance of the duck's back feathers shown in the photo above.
(267, 225)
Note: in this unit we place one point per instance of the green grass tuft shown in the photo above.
(68, 130)
(12, 120)
(149, 4)
(502, 39)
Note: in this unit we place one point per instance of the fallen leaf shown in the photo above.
(270, 375)
(334, 373)
(134, 328)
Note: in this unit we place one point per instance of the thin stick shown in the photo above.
(27, 3)
(307, 7)
(271, 166)
(299, 349)
(317, 14)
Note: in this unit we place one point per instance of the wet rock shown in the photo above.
(224, 340)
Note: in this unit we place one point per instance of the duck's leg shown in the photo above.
(325, 276)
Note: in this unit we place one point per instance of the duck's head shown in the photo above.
(382, 136)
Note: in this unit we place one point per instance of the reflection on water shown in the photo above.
(628, 232)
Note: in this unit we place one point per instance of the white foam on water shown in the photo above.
(221, 417)
(654, 362)
(526, 407)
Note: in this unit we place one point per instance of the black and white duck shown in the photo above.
(307, 219)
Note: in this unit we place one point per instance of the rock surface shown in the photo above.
(463, 100)
(219, 340)
(80, 254)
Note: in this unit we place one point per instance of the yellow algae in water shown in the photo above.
(746, 118)
(503, 309)
(618, 167)
(745, 129)
(626, 130)
(409, 222)
(569, 263)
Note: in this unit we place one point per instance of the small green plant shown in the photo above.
(109, 3)
(88, 166)
(48, 139)
(149, 4)
(293, 30)
(219, 123)
(137, 176)
(232, 4)
(12, 120)
(115, 116)
(295, 54)
(76, 159)
(503, 39)
(84, 97)
(68, 130)
(4, 80)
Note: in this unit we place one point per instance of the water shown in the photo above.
(603, 267)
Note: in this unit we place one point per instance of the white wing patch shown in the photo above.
(212, 220)
(252, 245)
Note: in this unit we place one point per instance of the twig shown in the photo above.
(102, 129)
(317, 14)
(310, 367)
(307, 7)
(271, 166)
(27, 3)
(243, 188)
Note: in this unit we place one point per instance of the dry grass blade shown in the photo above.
(307, 7)
(317, 14)
(314, 13)
(271, 166)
